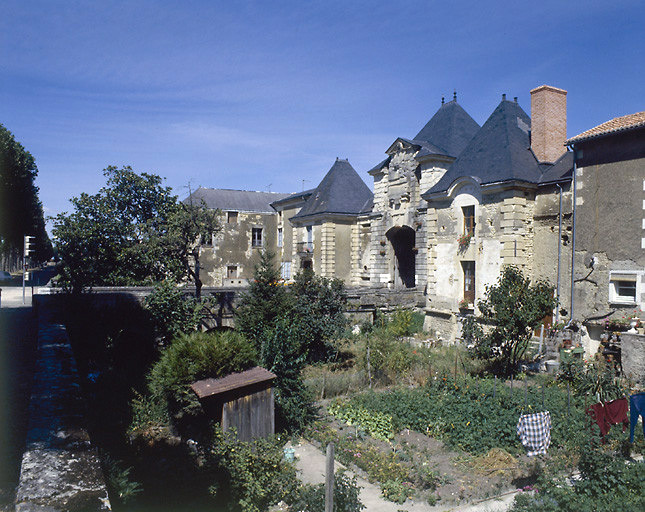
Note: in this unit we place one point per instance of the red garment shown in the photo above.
(616, 412)
(608, 414)
(597, 413)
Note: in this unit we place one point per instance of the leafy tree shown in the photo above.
(21, 212)
(189, 226)
(318, 307)
(514, 307)
(132, 232)
(172, 313)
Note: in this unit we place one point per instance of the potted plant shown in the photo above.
(463, 242)
(464, 304)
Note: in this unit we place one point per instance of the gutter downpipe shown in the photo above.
(557, 292)
(573, 229)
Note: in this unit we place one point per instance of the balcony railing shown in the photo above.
(305, 248)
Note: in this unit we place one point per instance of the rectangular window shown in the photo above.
(285, 270)
(231, 271)
(469, 281)
(256, 237)
(310, 237)
(279, 237)
(206, 239)
(469, 220)
(231, 217)
(623, 287)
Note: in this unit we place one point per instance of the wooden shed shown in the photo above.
(243, 401)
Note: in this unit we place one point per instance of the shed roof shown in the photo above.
(341, 191)
(500, 151)
(211, 387)
(237, 200)
(618, 124)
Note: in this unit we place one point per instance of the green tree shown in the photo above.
(514, 307)
(21, 212)
(265, 301)
(318, 307)
(132, 232)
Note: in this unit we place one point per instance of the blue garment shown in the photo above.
(636, 409)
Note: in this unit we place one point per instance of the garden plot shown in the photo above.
(444, 443)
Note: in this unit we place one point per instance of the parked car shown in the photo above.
(5, 276)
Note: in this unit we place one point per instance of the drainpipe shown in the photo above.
(557, 292)
(573, 229)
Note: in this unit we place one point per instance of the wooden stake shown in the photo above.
(329, 479)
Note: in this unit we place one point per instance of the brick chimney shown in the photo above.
(548, 122)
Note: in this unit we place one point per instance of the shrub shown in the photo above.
(189, 358)
(311, 498)
(255, 473)
(397, 491)
(514, 306)
(173, 314)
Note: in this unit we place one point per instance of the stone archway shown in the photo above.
(402, 239)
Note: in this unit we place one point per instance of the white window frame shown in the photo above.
(280, 235)
(625, 276)
(259, 242)
(285, 270)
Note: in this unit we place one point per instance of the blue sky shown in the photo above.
(263, 95)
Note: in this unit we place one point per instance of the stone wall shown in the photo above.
(632, 348)
(60, 468)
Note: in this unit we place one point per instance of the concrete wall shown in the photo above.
(610, 224)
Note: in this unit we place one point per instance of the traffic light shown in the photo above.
(30, 245)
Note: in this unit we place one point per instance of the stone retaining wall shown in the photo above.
(60, 469)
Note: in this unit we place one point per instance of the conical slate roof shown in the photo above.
(451, 129)
(341, 191)
(500, 151)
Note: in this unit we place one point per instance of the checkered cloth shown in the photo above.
(535, 432)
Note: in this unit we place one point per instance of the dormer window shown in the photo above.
(469, 220)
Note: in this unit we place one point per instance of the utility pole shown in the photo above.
(28, 249)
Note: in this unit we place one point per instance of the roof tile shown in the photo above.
(618, 124)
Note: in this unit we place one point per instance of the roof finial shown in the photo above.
(443, 100)
(515, 99)
(454, 95)
(503, 97)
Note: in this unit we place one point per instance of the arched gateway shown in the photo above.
(402, 239)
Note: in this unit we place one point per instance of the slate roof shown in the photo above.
(210, 387)
(295, 195)
(498, 152)
(450, 129)
(560, 170)
(618, 124)
(341, 191)
(237, 200)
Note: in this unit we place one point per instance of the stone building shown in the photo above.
(249, 225)
(609, 266)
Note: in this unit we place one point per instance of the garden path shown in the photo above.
(310, 462)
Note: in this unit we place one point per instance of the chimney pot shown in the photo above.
(548, 122)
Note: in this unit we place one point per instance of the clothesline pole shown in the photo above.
(569, 399)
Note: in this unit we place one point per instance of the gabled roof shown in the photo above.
(293, 197)
(450, 129)
(500, 151)
(237, 200)
(341, 191)
(618, 124)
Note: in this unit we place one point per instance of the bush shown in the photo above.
(254, 473)
(189, 358)
(397, 491)
(311, 498)
(173, 314)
